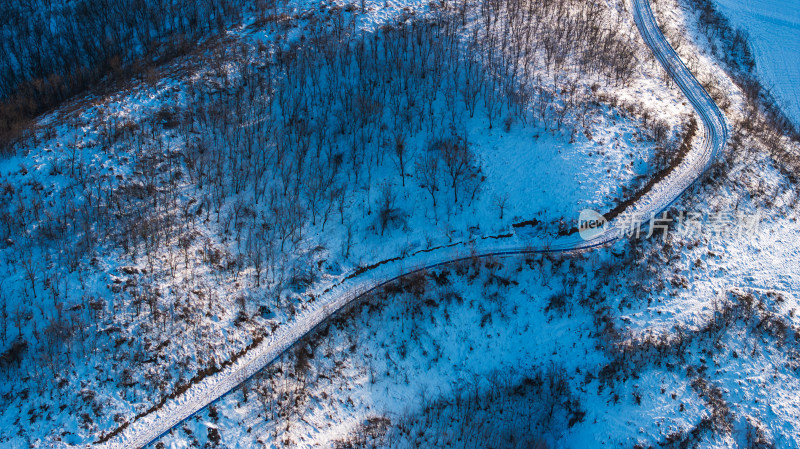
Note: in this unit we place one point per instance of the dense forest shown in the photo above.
(52, 50)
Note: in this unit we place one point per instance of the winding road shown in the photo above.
(151, 427)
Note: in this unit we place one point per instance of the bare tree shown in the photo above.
(500, 203)
(458, 160)
(428, 175)
(400, 154)
(30, 265)
(3, 315)
(387, 210)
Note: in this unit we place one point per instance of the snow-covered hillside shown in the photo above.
(151, 236)
(690, 341)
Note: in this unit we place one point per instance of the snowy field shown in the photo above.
(774, 30)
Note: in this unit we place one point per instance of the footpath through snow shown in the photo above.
(150, 427)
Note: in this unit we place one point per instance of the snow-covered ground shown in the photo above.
(546, 175)
(692, 340)
(725, 306)
(716, 361)
(773, 27)
(471, 326)
(157, 317)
